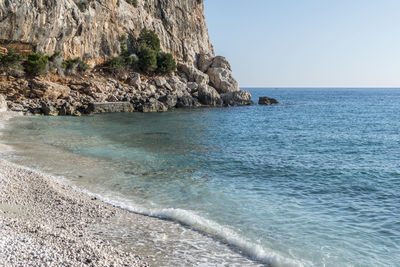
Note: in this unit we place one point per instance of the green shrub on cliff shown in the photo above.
(150, 39)
(76, 64)
(147, 59)
(36, 64)
(151, 59)
(11, 60)
(165, 63)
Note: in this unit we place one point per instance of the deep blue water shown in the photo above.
(313, 181)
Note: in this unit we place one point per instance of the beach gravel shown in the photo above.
(44, 223)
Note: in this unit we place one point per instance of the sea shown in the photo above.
(314, 181)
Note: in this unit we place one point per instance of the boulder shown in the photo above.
(49, 90)
(222, 79)
(204, 62)
(169, 100)
(3, 104)
(238, 98)
(209, 96)
(160, 81)
(134, 80)
(154, 105)
(66, 109)
(48, 109)
(221, 62)
(193, 74)
(267, 101)
(187, 101)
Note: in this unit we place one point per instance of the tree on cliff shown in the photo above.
(150, 59)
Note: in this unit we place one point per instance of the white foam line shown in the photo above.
(201, 224)
(227, 235)
(196, 222)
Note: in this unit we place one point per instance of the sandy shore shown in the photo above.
(43, 223)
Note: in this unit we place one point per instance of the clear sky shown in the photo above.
(308, 43)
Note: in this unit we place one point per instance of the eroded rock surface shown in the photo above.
(88, 28)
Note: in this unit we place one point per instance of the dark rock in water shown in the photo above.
(66, 109)
(187, 101)
(48, 109)
(110, 107)
(238, 98)
(209, 96)
(153, 105)
(267, 101)
(169, 100)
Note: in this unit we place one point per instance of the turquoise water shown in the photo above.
(314, 181)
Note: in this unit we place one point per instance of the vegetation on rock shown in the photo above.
(11, 60)
(165, 63)
(36, 64)
(149, 59)
(76, 64)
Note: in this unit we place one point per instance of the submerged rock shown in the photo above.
(110, 107)
(267, 101)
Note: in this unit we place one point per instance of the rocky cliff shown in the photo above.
(91, 28)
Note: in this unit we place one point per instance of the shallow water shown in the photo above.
(315, 181)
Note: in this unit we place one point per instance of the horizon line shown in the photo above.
(314, 87)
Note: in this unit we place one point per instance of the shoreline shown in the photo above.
(42, 215)
(45, 222)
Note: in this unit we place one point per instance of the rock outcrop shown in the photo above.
(237, 98)
(265, 100)
(91, 29)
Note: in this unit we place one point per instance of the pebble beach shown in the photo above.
(43, 223)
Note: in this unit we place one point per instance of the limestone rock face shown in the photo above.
(3, 104)
(204, 62)
(91, 28)
(193, 74)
